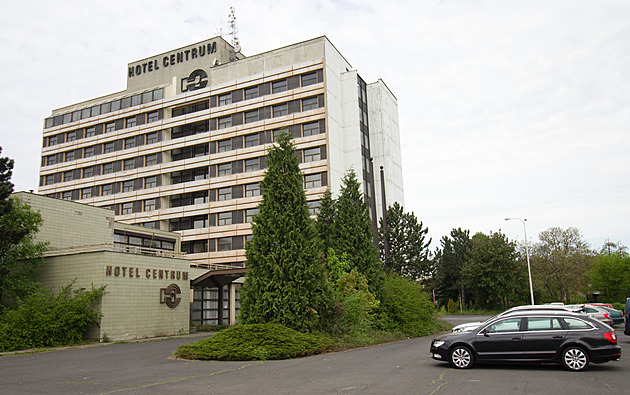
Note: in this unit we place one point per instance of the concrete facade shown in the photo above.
(183, 148)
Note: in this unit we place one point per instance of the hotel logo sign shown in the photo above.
(198, 79)
(169, 295)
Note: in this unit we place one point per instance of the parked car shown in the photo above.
(626, 318)
(597, 312)
(469, 326)
(571, 339)
(615, 315)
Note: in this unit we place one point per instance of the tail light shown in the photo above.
(606, 315)
(611, 337)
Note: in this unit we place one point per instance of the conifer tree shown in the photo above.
(353, 235)
(325, 220)
(286, 281)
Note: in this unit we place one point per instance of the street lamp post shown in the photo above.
(529, 267)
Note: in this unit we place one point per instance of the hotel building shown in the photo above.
(183, 148)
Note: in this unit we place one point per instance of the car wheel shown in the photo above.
(461, 357)
(575, 359)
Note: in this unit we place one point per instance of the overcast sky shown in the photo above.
(507, 108)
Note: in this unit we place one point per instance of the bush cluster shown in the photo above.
(45, 320)
(254, 342)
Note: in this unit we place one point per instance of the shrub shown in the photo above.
(406, 308)
(45, 320)
(254, 342)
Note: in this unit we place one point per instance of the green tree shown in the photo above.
(493, 273)
(325, 220)
(610, 273)
(449, 262)
(353, 235)
(286, 281)
(559, 262)
(20, 255)
(408, 247)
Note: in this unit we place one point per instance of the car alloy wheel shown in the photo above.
(575, 359)
(461, 357)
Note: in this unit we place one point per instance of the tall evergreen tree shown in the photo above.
(286, 281)
(408, 249)
(449, 264)
(325, 220)
(353, 235)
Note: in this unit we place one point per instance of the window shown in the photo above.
(225, 99)
(52, 140)
(225, 122)
(224, 145)
(108, 168)
(200, 221)
(249, 214)
(310, 129)
(89, 132)
(252, 189)
(136, 99)
(224, 219)
(126, 208)
(224, 169)
(507, 325)
(152, 138)
(312, 154)
(280, 110)
(106, 190)
(224, 193)
(67, 176)
(576, 324)
(130, 142)
(153, 116)
(108, 147)
(150, 182)
(252, 164)
(110, 127)
(309, 104)
(150, 205)
(129, 164)
(69, 156)
(309, 79)
(543, 324)
(131, 122)
(50, 179)
(52, 159)
(88, 152)
(224, 244)
(86, 193)
(251, 140)
(313, 180)
(251, 116)
(88, 172)
(251, 93)
(71, 136)
(151, 160)
(67, 195)
(279, 86)
(313, 207)
(127, 186)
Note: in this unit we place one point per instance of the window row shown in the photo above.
(141, 240)
(125, 102)
(110, 189)
(267, 112)
(214, 245)
(107, 127)
(281, 85)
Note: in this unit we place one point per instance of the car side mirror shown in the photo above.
(484, 331)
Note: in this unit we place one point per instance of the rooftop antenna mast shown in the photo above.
(233, 30)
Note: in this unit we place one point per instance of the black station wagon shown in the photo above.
(571, 339)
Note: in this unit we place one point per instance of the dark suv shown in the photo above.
(571, 339)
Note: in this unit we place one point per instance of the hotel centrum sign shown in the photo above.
(168, 295)
(171, 59)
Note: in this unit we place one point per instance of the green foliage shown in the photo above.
(286, 281)
(325, 220)
(452, 306)
(352, 233)
(559, 262)
(405, 238)
(407, 308)
(20, 255)
(254, 342)
(45, 320)
(357, 305)
(610, 275)
(493, 273)
(449, 263)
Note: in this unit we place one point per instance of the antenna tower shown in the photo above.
(233, 30)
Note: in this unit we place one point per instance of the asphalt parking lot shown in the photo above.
(398, 368)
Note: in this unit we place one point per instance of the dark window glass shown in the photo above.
(309, 79)
(311, 129)
(251, 140)
(251, 93)
(309, 104)
(251, 116)
(279, 86)
(280, 110)
(224, 145)
(225, 99)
